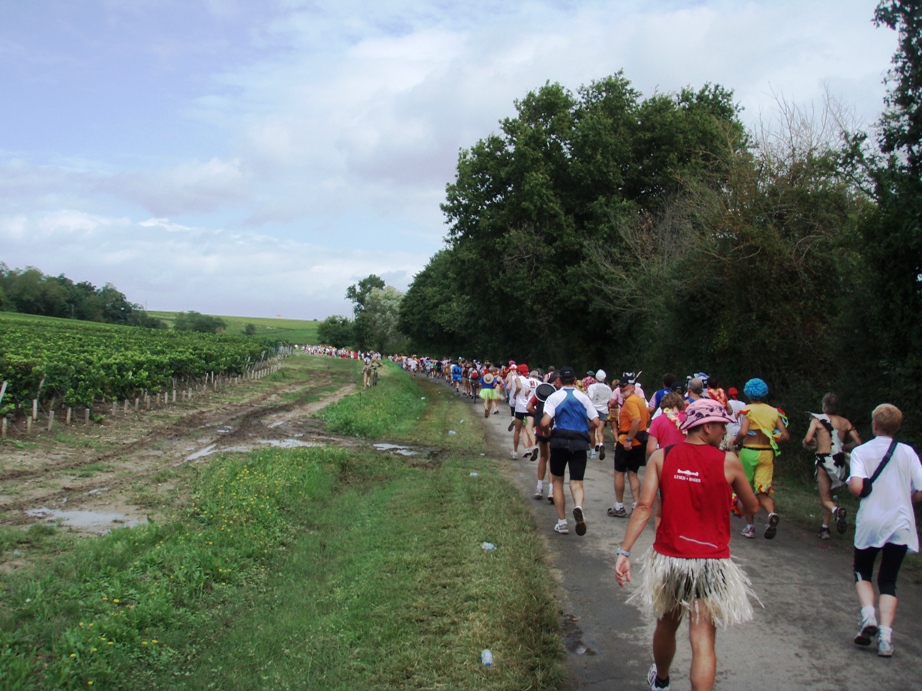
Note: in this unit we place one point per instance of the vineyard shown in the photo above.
(78, 363)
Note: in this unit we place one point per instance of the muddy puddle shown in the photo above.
(398, 449)
(90, 521)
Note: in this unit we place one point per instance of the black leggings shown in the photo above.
(889, 566)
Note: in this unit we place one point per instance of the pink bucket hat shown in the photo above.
(702, 411)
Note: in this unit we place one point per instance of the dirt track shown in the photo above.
(801, 639)
(118, 473)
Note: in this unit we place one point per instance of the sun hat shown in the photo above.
(702, 411)
(543, 391)
(756, 388)
(488, 378)
(601, 375)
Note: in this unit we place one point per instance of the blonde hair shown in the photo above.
(887, 418)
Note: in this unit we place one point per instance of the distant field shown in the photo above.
(292, 330)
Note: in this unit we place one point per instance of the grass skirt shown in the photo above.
(491, 395)
(717, 585)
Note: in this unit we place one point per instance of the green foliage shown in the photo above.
(529, 206)
(80, 362)
(201, 323)
(336, 331)
(249, 329)
(29, 291)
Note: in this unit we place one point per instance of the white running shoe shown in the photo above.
(562, 528)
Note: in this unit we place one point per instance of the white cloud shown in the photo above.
(167, 265)
(294, 147)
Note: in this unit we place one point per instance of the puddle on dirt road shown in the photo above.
(207, 451)
(289, 443)
(396, 448)
(572, 637)
(246, 448)
(91, 521)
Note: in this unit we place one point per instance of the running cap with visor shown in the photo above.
(567, 373)
(702, 411)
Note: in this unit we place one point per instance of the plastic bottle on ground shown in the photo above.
(486, 657)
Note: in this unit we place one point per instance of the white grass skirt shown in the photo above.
(717, 585)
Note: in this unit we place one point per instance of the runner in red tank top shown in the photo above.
(689, 567)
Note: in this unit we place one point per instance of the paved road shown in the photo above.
(801, 639)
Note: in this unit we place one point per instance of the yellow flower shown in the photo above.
(73, 654)
(115, 601)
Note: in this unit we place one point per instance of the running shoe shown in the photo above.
(592, 454)
(867, 631)
(884, 648)
(534, 453)
(654, 681)
(840, 515)
(824, 534)
(511, 425)
(514, 454)
(772, 528)
(550, 497)
(562, 528)
(539, 494)
(602, 452)
(580, 521)
(617, 513)
(749, 532)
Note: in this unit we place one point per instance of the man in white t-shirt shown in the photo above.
(885, 522)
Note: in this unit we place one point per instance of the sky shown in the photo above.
(257, 157)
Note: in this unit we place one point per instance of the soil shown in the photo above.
(91, 478)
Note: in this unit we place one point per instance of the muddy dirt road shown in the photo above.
(96, 477)
(801, 639)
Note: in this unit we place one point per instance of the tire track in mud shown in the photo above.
(244, 418)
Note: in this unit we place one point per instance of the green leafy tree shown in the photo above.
(382, 312)
(249, 329)
(335, 331)
(567, 173)
(358, 293)
(194, 321)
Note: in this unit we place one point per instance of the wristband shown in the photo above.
(623, 553)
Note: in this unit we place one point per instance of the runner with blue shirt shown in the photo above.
(573, 416)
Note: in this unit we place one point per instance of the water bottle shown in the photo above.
(488, 546)
(486, 657)
(474, 474)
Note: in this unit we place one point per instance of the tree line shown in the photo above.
(660, 234)
(29, 291)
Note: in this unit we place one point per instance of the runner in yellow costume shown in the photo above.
(761, 428)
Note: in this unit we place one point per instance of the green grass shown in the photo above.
(309, 568)
(292, 330)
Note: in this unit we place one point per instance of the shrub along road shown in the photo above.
(800, 639)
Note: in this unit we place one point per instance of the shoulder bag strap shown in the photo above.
(885, 460)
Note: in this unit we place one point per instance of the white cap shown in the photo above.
(601, 375)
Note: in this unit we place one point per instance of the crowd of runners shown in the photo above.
(709, 453)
